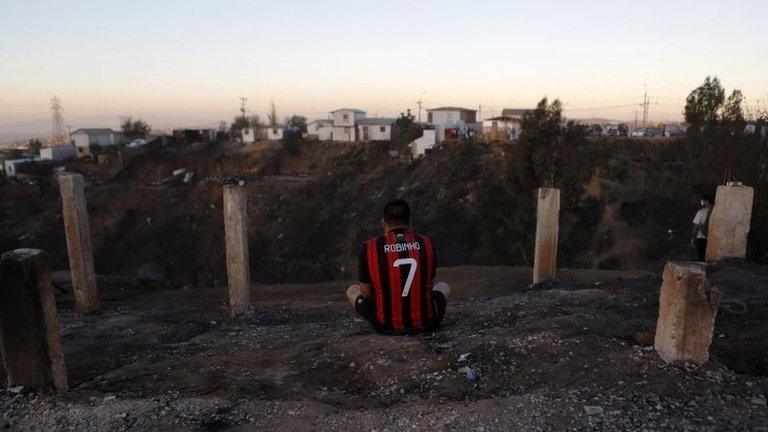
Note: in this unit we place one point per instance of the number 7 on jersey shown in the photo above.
(411, 272)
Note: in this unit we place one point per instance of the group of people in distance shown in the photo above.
(397, 293)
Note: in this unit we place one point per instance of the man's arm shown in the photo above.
(364, 275)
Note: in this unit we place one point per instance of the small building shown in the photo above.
(58, 153)
(375, 129)
(502, 128)
(251, 134)
(344, 124)
(320, 129)
(275, 133)
(451, 122)
(85, 139)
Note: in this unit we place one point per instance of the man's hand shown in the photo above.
(352, 293)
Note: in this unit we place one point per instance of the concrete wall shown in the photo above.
(427, 140)
(374, 132)
(346, 117)
(275, 134)
(343, 133)
(250, 135)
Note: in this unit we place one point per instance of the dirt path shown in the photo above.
(509, 357)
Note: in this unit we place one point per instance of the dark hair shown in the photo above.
(397, 212)
(708, 198)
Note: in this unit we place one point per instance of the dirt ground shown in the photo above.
(567, 356)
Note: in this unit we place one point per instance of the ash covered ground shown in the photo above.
(569, 356)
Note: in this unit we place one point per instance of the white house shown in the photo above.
(320, 129)
(86, 138)
(275, 133)
(344, 121)
(375, 129)
(250, 134)
(58, 153)
(450, 121)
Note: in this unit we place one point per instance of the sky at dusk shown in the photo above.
(186, 63)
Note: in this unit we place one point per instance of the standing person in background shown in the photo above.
(701, 227)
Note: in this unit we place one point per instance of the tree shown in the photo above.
(405, 130)
(34, 147)
(733, 115)
(549, 150)
(297, 122)
(703, 105)
(241, 122)
(272, 116)
(134, 128)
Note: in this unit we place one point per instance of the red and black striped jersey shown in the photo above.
(400, 268)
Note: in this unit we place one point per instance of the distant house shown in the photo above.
(451, 122)
(502, 128)
(194, 135)
(251, 134)
(58, 153)
(275, 133)
(344, 124)
(320, 129)
(375, 129)
(85, 139)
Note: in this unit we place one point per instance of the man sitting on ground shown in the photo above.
(397, 270)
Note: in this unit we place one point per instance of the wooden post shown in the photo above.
(547, 227)
(29, 322)
(730, 222)
(687, 311)
(236, 237)
(79, 243)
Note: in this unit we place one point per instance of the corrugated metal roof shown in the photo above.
(355, 110)
(451, 109)
(374, 121)
(95, 131)
(513, 112)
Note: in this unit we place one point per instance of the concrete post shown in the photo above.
(29, 323)
(547, 227)
(236, 236)
(729, 223)
(687, 310)
(79, 243)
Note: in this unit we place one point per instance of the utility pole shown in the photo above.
(480, 112)
(645, 110)
(634, 127)
(242, 106)
(419, 103)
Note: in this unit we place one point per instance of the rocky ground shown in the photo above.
(568, 356)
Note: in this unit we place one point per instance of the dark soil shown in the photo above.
(571, 355)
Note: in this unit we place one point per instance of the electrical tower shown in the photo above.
(645, 111)
(60, 137)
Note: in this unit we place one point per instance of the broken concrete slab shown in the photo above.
(236, 237)
(547, 227)
(730, 223)
(75, 213)
(29, 322)
(687, 311)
